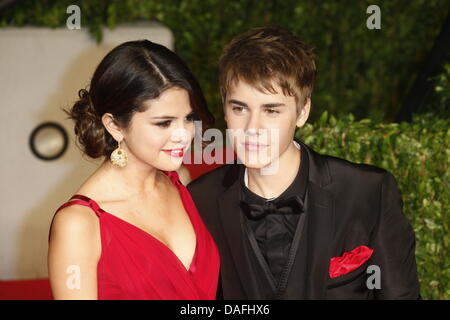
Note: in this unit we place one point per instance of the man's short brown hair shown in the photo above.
(266, 56)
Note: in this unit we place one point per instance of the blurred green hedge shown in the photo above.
(366, 72)
(439, 103)
(418, 155)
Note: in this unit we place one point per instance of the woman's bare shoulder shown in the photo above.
(75, 222)
(74, 242)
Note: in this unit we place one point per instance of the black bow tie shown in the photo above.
(292, 204)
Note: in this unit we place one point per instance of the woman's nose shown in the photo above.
(180, 135)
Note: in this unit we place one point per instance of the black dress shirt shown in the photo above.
(274, 233)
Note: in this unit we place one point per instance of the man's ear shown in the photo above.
(224, 108)
(225, 114)
(112, 127)
(304, 113)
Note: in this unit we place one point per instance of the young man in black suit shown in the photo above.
(291, 223)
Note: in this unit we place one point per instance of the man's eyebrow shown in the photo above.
(265, 105)
(237, 102)
(273, 105)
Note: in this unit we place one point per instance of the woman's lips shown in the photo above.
(177, 153)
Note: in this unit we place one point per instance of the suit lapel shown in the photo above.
(315, 245)
(319, 236)
(231, 218)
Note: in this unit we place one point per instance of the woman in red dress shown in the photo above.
(132, 231)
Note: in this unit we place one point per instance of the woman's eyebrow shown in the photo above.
(164, 117)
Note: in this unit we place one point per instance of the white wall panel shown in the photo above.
(41, 71)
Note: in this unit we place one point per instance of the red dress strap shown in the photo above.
(173, 176)
(81, 200)
(84, 201)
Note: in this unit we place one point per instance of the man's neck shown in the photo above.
(273, 185)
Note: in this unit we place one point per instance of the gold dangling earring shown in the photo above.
(119, 157)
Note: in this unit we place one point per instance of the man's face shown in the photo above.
(261, 124)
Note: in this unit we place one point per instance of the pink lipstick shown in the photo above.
(177, 153)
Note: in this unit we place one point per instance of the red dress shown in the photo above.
(135, 265)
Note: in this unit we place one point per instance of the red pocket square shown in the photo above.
(349, 261)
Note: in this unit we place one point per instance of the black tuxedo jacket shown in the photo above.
(347, 205)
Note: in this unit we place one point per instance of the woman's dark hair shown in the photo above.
(129, 75)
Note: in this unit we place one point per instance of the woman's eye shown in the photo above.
(191, 117)
(164, 124)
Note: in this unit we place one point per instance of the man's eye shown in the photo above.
(164, 124)
(272, 111)
(237, 108)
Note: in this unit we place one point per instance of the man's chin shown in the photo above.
(252, 164)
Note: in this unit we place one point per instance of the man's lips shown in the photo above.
(254, 146)
(177, 153)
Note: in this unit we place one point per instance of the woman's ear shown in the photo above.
(111, 126)
(304, 113)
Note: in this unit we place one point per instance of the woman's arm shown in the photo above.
(74, 251)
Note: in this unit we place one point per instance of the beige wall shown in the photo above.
(41, 70)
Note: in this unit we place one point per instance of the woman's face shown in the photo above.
(160, 136)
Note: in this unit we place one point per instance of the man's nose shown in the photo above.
(253, 124)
